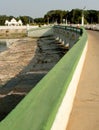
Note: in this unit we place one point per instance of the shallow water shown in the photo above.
(3, 46)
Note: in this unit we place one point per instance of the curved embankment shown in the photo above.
(22, 66)
(38, 110)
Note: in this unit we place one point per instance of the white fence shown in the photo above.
(92, 27)
(18, 27)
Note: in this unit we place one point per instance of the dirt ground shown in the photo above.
(12, 33)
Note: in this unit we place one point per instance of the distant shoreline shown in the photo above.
(12, 33)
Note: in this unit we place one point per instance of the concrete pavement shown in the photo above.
(85, 112)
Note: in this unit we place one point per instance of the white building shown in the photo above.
(13, 22)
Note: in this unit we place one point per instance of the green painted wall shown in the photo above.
(38, 109)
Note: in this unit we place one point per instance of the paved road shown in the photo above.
(85, 113)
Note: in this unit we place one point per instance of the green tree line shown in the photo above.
(25, 19)
(73, 16)
(58, 16)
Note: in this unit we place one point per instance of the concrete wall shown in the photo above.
(39, 32)
(48, 105)
(67, 35)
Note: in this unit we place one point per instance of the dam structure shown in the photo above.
(49, 104)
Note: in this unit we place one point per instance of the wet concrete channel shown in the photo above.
(23, 65)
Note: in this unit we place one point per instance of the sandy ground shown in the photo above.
(23, 65)
(15, 58)
(12, 33)
(85, 113)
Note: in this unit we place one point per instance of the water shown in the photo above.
(3, 46)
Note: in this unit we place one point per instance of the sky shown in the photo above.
(38, 8)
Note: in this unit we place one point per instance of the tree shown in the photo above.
(92, 16)
(26, 19)
(55, 16)
(39, 20)
(75, 16)
(2, 19)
